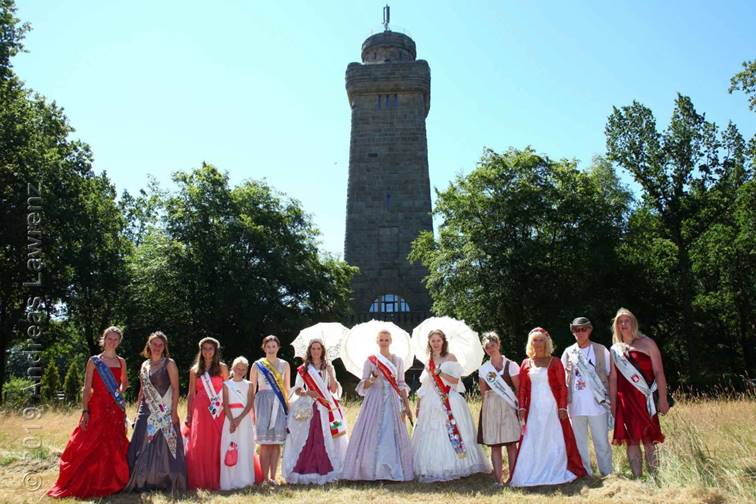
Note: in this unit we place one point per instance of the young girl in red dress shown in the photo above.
(204, 416)
(94, 462)
(636, 421)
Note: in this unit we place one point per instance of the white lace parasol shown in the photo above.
(332, 334)
(360, 344)
(463, 342)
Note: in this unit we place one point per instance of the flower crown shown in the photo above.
(539, 330)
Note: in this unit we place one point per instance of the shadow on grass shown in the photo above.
(477, 484)
(472, 486)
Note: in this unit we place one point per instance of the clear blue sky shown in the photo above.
(257, 88)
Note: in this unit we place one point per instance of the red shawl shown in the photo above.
(559, 389)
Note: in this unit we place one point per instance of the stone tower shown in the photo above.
(388, 197)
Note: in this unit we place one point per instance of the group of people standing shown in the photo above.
(540, 410)
(543, 409)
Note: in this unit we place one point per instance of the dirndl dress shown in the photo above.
(271, 418)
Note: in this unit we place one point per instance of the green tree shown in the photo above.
(12, 33)
(235, 263)
(142, 212)
(680, 171)
(746, 81)
(526, 241)
(724, 260)
(97, 251)
(18, 393)
(63, 249)
(49, 385)
(72, 383)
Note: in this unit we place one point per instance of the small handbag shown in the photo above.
(232, 455)
(301, 409)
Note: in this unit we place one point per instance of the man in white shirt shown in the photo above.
(586, 390)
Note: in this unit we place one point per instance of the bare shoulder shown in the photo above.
(646, 343)
(171, 364)
(451, 357)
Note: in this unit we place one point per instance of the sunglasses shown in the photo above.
(581, 329)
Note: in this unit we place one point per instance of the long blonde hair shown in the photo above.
(616, 333)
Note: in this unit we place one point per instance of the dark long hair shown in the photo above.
(323, 357)
(199, 363)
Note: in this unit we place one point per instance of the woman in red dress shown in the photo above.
(94, 462)
(634, 424)
(204, 416)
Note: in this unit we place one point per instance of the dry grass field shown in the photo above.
(709, 456)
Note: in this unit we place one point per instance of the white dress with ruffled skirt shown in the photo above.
(434, 458)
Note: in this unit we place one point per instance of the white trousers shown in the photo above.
(600, 434)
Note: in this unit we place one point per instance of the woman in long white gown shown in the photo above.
(444, 443)
(317, 441)
(548, 454)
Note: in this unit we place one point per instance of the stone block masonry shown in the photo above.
(388, 198)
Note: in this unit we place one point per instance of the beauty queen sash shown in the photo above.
(455, 438)
(315, 382)
(600, 394)
(388, 370)
(631, 374)
(216, 403)
(109, 380)
(275, 380)
(159, 419)
(496, 383)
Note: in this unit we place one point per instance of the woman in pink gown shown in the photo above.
(204, 417)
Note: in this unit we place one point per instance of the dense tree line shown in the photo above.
(526, 240)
